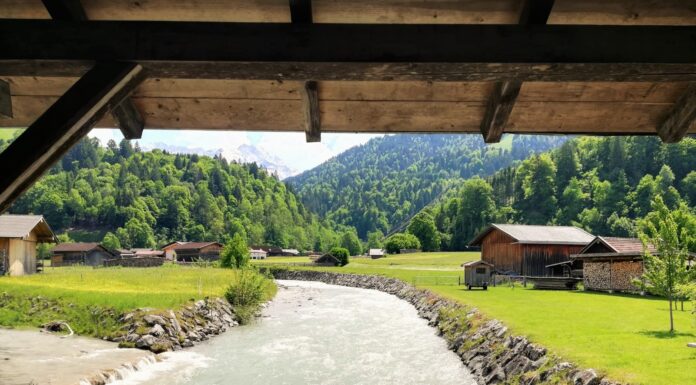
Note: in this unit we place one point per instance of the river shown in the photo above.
(313, 333)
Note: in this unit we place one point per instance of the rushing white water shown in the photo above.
(313, 333)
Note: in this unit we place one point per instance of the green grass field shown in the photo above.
(621, 335)
(7, 133)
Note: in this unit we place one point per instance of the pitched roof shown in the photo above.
(20, 226)
(539, 235)
(173, 244)
(77, 247)
(619, 245)
(194, 245)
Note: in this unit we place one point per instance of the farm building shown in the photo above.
(168, 249)
(376, 253)
(257, 254)
(194, 251)
(290, 252)
(19, 235)
(611, 263)
(92, 254)
(526, 249)
(272, 251)
(327, 260)
(477, 274)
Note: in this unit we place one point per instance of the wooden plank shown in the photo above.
(301, 11)
(128, 119)
(624, 12)
(312, 116)
(502, 100)
(498, 110)
(358, 52)
(681, 117)
(66, 10)
(639, 92)
(5, 100)
(62, 125)
(597, 118)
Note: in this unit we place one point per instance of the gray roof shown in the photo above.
(540, 235)
(20, 226)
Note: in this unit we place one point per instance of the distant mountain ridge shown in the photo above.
(379, 185)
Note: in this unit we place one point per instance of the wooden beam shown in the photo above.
(502, 101)
(128, 119)
(498, 110)
(5, 100)
(126, 115)
(354, 52)
(301, 11)
(680, 118)
(67, 10)
(312, 115)
(67, 121)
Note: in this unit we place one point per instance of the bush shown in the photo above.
(235, 253)
(246, 293)
(400, 241)
(341, 254)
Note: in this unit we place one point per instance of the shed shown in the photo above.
(194, 251)
(477, 274)
(258, 254)
(19, 235)
(327, 260)
(168, 249)
(528, 249)
(79, 253)
(376, 253)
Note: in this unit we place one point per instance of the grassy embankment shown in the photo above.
(92, 300)
(623, 336)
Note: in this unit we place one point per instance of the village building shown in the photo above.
(376, 253)
(123, 253)
(612, 263)
(272, 251)
(327, 260)
(196, 251)
(168, 249)
(79, 253)
(527, 249)
(19, 235)
(290, 252)
(257, 254)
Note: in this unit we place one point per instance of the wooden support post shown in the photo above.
(68, 10)
(67, 121)
(310, 101)
(301, 11)
(5, 100)
(501, 102)
(129, 120)
(680, 118)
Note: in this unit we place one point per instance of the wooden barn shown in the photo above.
(611, 263)
(79, 253)
(168, 249)
(195, 251)
(527, 250)
(19, 235)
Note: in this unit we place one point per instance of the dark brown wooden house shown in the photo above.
(79, 253)
(527, 250)
(195, 251)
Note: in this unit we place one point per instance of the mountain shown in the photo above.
(148, 198)
(604, 185)
(378, 186)
(244, 153)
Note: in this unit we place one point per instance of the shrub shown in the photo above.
(246, 293)
(341, 254)
(235, 253)
(400, 241)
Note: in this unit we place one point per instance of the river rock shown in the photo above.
(157, 330)
(153, 319)
(586, 377)
(145, 342)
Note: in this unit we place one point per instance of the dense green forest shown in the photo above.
(132, 198)
(600, 184)
(380, 185)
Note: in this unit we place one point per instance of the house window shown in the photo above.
(480, 270)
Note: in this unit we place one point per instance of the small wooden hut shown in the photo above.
(19, 235)
(79, 253)
(194, 251)
(477, 274)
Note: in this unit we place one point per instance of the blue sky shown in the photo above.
(288, 147)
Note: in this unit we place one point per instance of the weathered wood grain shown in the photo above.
(681, 117)
(128, 119)
(312, 115)
(5, 100)
(498, 110)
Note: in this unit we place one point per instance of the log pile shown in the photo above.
(611, 275)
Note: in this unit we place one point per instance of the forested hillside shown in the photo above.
(381, 184)
(600, 184)
(144, 199)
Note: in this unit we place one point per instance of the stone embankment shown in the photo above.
(485, 346)
(173, 330)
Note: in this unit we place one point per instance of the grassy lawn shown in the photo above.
(623, 336)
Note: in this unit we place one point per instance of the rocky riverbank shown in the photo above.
(485, 346)
(174, 330)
